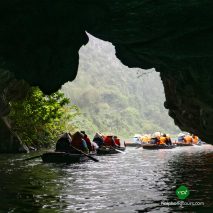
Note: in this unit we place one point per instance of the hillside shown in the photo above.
(115, 98)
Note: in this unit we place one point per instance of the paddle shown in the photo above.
(92, 158)
(37, 156)
(117, 150)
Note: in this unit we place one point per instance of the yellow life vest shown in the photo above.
(162, 140)
(145, 139)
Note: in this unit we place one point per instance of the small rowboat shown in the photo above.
(109, 150)
(63, 157)
(182, 144)
(156, 147)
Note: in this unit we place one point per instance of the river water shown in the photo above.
(137, 181)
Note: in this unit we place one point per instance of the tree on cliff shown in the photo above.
(39, 119)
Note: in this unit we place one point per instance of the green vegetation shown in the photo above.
(113, 98)
(39, 119)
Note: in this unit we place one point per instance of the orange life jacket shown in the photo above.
(195, 139)
(162, 140)
(188, 139)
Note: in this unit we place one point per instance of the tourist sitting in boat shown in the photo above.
(79, 143)
(162, 140)
(98, 139)
(86, 138)
(117, 140)
(195, 139)
(154, 140)
(94, 146)
(188, 139)
(63, 143)
(145, 139)
(181, 137)
(109, 141)
(168, 140)
(136, 138)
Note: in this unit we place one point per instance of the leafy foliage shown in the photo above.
(39, 119)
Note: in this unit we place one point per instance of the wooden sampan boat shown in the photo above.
(63, 157)
(156, 147)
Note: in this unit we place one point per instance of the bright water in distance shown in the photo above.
(137, 181)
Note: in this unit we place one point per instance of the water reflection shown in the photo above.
(27, 186)
(133, 182)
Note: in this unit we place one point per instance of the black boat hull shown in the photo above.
(156, 147)
(63, 157)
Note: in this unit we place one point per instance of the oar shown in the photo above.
(92, 158)
(117, 150)
(38, 156)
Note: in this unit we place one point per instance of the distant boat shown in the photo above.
(156, 147)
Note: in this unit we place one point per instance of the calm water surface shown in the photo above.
(137, 181)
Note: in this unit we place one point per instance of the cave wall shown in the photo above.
(39, 42)
(189, 98)
(10, 141)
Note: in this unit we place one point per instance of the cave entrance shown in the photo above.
(115, 98)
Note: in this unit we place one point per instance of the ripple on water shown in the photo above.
(138, 180)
